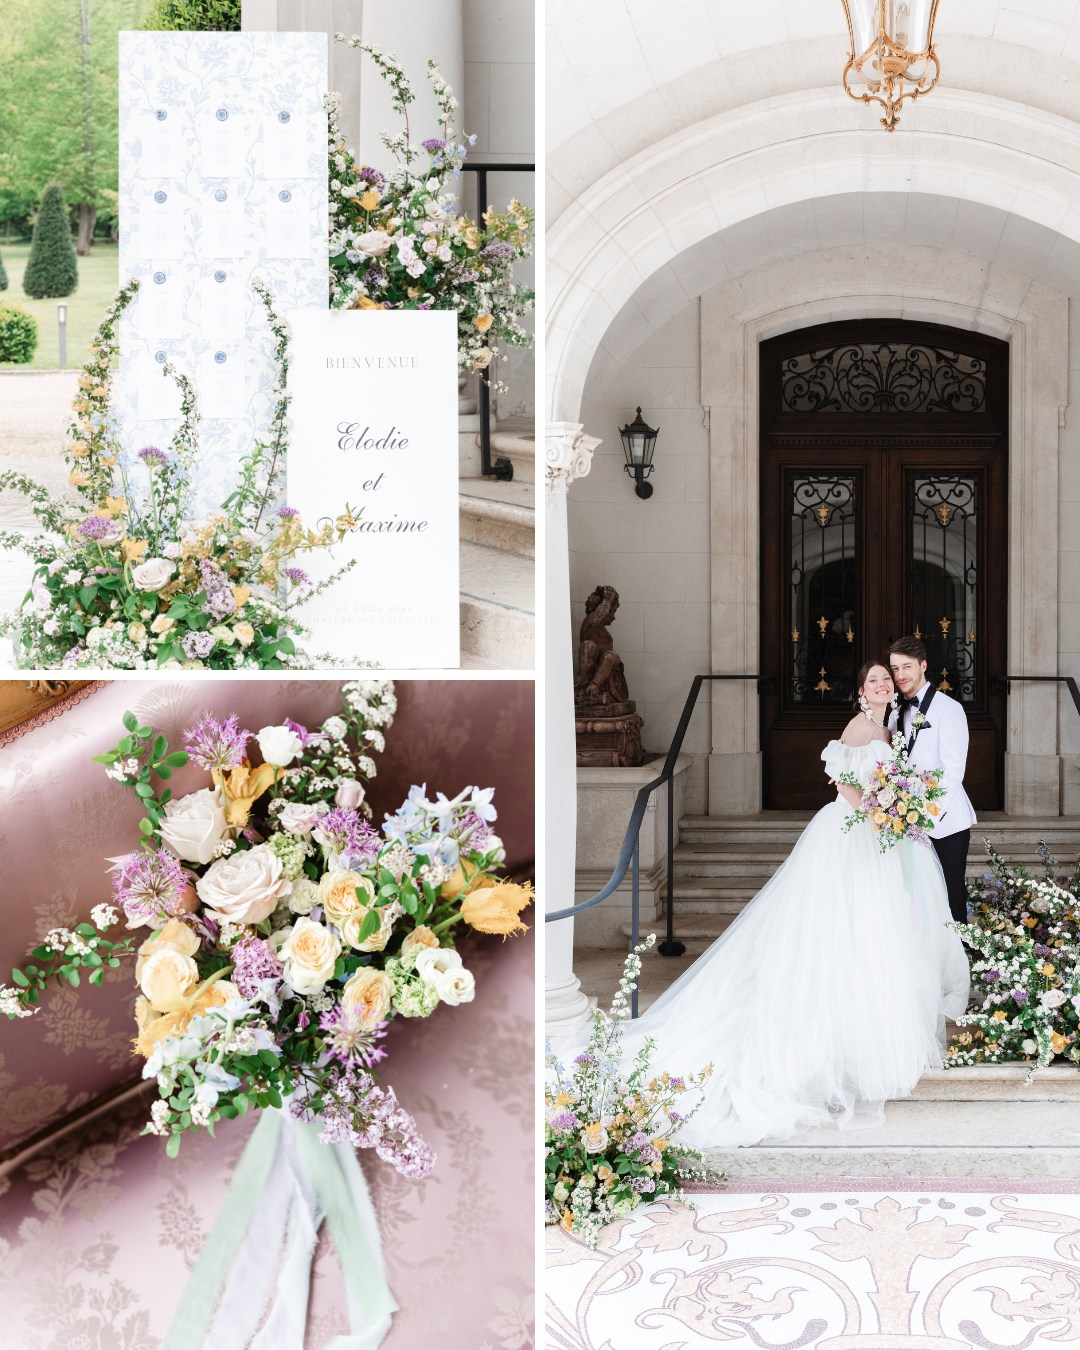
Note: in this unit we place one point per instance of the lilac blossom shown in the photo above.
(564, 1121)
(197, 645)
(356, 1110)
(217, 745)
(149, 885)
(350, 1036)
(254, 965)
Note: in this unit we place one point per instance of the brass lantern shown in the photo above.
(892, 54)
(639, 440)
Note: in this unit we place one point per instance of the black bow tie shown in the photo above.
(909, 703)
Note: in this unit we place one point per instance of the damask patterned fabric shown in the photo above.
(99, 1232)
(62, 817)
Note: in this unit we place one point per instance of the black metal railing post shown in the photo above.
(1001, 684)
(501, 469)
(635, 934)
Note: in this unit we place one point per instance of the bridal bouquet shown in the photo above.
(398, 240)
(286, 931)
(1025, 972)
(126, 578)
(608, 1137)
(899, 801)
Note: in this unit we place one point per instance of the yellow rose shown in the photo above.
(168, 977)
(369, 991)
(158, 1029)
(162, 624)
(1057, 1042)
(78, 449)
(912, 817)
(420, 937)
(370, 200)
(241, 595)
(337, 894)
(933, 808)
(1000, 1015)
(483, 322)
(77, 478)
(879, 817)
(495, 908)
(898, 826)
(245, 634)
(176, 936)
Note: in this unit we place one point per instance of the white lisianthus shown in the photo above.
(244, 887)
(309, 954)
(279, 745)
(194, 825)
(152, 574)
(442, 968)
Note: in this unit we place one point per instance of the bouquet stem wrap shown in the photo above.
(245, 1292)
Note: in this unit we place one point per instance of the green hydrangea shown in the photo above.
(292, 849)
(413, 998)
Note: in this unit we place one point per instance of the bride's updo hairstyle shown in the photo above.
(860, 679)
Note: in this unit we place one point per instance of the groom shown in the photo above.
(935, 730)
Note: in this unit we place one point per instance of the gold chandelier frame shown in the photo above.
(893, 62)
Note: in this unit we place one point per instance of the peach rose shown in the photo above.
(369, 991)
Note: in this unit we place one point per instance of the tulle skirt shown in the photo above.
(824, 999)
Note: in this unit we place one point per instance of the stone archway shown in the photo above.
(941, 287)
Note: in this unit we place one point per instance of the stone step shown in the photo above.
(515, 441)
(999, 1139)
(1000, 1083)
(787, 825)
(498, 602)
(695, 931)
(499, 515)
(466, 404)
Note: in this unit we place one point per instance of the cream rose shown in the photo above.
(244, 887)
(152, 574)
(194, 825)
(279, 745)
(375, 243)
(374, 942)
(442, 969)
(176, 936)
(415, 942)
(301, 817)
(369, 991)
(309, 953)
(302, 896)
(168, 976)
(245, 634)
(337, 894)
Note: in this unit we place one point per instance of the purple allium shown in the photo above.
(1019, 995)
(433, 144)
(217, 745)
(350, 1036)
(991, 975)
(372, 177)
(475, 830)
(297, 575)
(149, 885)
(100, 530)
(675, 1117)
(154, 458)
(339, 830)
(564, 1122)
(197, 645)
(1041, 950)
(254, 962)
(585, 1058)
(287, 512)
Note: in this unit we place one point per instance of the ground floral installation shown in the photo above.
(609, 1135)
(1025, 971)
(287, 931)
(398, 240)
(125, 577)
(900, 801)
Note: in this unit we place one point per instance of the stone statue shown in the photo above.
(608, 728)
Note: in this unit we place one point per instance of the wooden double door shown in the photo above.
(884, 512)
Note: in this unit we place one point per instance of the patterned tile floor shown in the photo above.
(933, 1264)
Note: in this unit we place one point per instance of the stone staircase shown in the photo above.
(722, 862)
(497, 542)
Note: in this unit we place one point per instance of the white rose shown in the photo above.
(441, 967)
(303, 895)
(194, 825)
(350, 793)
(279, 745)
(886, 797)
(152, 574)
(1028, 1047)
(300, 817)
(1052, 998)
(310, 953)
(244, 887)
(375, 243)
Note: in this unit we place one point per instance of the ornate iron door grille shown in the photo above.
(944, 595)
(824, 578)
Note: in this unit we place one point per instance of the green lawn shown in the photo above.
(97, 285)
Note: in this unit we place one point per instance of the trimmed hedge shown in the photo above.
(194, 16)
(51, 269)
(3, 276)
(18, 334)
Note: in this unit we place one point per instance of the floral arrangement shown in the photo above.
(126, 578)
(608, 1137)
(899, 801)
(1025, 971)
(286, 930)
(398, 240)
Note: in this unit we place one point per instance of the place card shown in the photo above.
(161, 225)
(222, 383)
(288, 224)
(161, 146)
(223, 143)
(158, 394)
(287, 143)
(223, 228)
(159, 306)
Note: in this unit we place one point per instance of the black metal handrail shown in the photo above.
(630, 852)
(502, 468)
(1001, 684)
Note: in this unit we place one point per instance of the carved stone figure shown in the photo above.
(608, 728)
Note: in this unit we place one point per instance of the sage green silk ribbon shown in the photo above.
(340, 1192)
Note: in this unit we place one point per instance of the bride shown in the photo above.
(828, 995)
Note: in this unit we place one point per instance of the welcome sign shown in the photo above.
(374, 429)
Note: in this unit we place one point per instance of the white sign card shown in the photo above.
(374, 428)
(223, 234)
(223, 304)
(224, 143)
(159, 307)
(288, 224)
(161, 226)
(159, 394)
(287, 141)
(161, 146)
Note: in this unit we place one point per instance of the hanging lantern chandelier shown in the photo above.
(892, 54)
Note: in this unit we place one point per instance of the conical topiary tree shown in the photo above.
(3, 276)
(51, 269)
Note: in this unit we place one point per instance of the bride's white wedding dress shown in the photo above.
(827, 996)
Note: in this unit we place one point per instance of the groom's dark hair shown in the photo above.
(908, 646)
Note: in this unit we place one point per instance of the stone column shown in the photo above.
(568, 455)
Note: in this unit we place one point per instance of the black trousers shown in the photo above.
(952, 853)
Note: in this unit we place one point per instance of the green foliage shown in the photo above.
(18, 334)
(3, 276)
(52, 269)
(194, 16)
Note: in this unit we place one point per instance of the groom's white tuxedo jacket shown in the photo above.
(942, 743)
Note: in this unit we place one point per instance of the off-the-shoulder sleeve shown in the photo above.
(838, 758)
